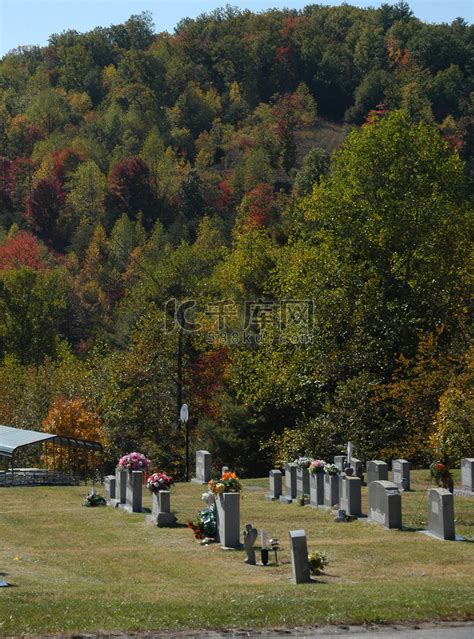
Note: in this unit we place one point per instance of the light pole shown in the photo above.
(184, 418)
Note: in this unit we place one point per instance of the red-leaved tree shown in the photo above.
(23, 249)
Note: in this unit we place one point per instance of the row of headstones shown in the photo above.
(345, 492)
(378, 470)
(125, 490)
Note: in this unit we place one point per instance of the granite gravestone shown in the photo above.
(339, 461)
(385, 504)
(356, 466)
(376, 471)
(121, 475)
(401, 473)
(441, 513)
(299, 556)
(228, 519)
(203, 467)
(133, 503)
(161, 514)
(290, 484)
(316, 489)
(331, 490)
(302, 482)
(467, 474)
(350, 495)
(275, 485)
(109, 487)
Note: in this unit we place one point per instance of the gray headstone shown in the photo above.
(290, 484)
(161, 514)
(441, 513)
(275, 484)
(299, 556)
(385, 504)
(350, 493)
(203, 467)
(376, 471)
(133, 502)
(356, 466)
(228, 519)
(331, 490)
(401, 473)
(316, 489)
(225, 469)
(109, 487)
(467, 474)
(302, 482)
(339, 461)
(120, 488)
(250, 535)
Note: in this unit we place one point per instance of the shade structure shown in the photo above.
(12, 438)
(68, 459)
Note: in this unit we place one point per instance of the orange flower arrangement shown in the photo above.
(228, 483)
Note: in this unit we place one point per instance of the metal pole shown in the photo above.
(187, 450)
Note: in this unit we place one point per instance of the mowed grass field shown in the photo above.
(78, 569)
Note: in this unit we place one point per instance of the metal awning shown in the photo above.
(13, 438)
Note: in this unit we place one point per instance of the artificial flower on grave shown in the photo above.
(134, 461)
(205, 524)
(159, 481)
(303, 462)
(331, 469)
(228, 483)
(93, 500)
(317, 466)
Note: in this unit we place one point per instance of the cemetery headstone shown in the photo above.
(331, 490)
(356, 466)
(275, 485)
(385, 504)
(133, 503)
(161, 514)
(250, 535)
(339, 461)
(203, 467)
(290, 484)
(316, 489)
(350, 495)
(299, 556)
(120, 488)
(401, 473)
(228, 519)
(467, 474)
(302, 482)
(376, 471)
(225, 469)
(109, 487)
(441, 513)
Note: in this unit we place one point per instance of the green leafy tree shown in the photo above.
(32, 304)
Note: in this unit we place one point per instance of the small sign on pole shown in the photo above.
(184, 413)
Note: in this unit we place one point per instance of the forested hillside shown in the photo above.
(267, 216)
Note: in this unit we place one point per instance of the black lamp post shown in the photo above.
(184, 418)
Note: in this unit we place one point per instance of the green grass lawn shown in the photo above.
(80, 570)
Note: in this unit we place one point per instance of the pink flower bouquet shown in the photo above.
(317, 466)
(134, 461)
